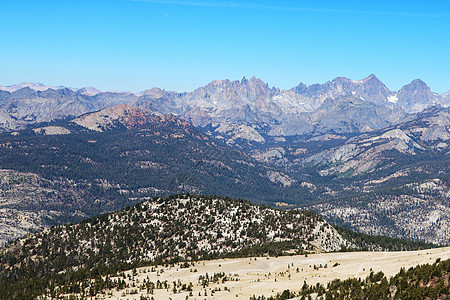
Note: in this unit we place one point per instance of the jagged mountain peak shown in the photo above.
(372, 89)
(216, 86)
(369, 88)
(415, 96)
(340, 80)
(23, 93)
(40, 87)
(226, 91)
(373, 80)
(154, 92)
(416, 84)
(418, 81)
(244, 82)
(258, 85)
(371, 77)
(54, 93)
(254, 79)
(300, 88)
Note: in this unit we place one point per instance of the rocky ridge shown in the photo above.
(25, 107)
(250, 102)
(426, 132)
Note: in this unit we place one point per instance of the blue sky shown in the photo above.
(181, 44)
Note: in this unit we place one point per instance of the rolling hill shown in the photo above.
(162, 231)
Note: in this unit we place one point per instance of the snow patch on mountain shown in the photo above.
(393, 98)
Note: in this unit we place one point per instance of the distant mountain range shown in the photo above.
(261, 110)
(90, 91)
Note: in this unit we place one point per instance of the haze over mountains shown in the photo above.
(250, 102)
(91, 91)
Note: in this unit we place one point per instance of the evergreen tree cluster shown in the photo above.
(421, 282)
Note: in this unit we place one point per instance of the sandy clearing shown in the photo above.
(268, 276)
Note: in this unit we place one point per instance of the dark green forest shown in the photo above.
(421, 282)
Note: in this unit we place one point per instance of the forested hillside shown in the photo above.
(69, 172)
(179, 228)
(162, 230)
